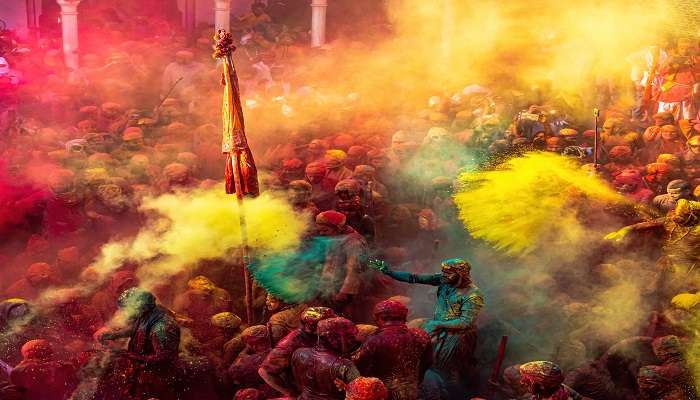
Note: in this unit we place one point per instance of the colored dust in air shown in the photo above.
(529, 201)
(184, 228)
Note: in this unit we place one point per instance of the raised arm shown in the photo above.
(620, 234)
(425, 279)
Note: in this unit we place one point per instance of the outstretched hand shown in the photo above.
(617, 236)
(379, 265)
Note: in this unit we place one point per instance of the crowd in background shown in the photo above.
(80, 150)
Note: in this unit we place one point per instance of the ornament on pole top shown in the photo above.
(223, 46)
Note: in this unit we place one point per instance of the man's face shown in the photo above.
(326, 230)
(298, 196)
(272, 303)
(669, 133)
(684, 47)
(314, 176)
(134, 144)
(677, 194)
(692, 171)
(378, 162)
(694, 148)
(450, 276)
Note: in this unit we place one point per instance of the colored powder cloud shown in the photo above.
(530, 200)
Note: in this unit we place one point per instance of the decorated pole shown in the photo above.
(241, 173)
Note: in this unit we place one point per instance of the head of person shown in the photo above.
(686, 213)
(292, 169)
(256, 338)
(347, 193)
(315, 172)
(226, 322)
(299, 192)
(330, 223)
(132, 138)
(684, 46)
(364, 173)
(627, 181)
(364, 388)
(541, 378)
(134, 302)
(664, 118)
(678, 189)
(667, 348)
(694, 144)
(312, 316)
(273, 303)
(554, 144)
(37, 349)
(184, 57)
(338, 335)
(456, 272)
(620, 154)
(335, 159)
(669, 132)
(390, 312)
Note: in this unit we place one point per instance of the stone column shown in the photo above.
(318, 22)
(222, 15)
(69, 24)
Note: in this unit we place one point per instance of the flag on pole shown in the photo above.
(241, 174)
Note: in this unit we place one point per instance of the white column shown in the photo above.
(222, 15)
(69, 24)
(318, 22)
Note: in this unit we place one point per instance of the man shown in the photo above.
(275, 370)
(317, 369)
(299, 195)
(322, 187)
(675, 190)
(629, 182)
(335, 163)
(284, 317)
(397, 355)
(40, 375)
(154, 339)
(349, 202)
(544, 381)
(682, 229)
(673, 368)
(453, 327)
(679, 71)
(184, 67)
(344, 263)
(243, 373)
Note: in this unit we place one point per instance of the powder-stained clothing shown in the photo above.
(315, 371)
(285, 321)
(458, 308)
(397, 355)
(278, 362)
(345, 261)
(564, 393)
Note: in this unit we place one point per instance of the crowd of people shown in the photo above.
(82, 148)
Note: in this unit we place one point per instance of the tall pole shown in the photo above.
(222, 15)
(318, 22)
(596, 138)
(69, 25)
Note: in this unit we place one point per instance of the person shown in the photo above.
(316, 369)
(453, 327)
(344, 262)
(679, 72)
(397, 355)
(184, 68)
(673, 368)
(675, 190)
(154, 339)
(299, 195)
(629, 182)
(275, 370)
(243, 373)
(335, 163)
(544, 381)
(40, 375)
(349, 202)
(284, 317)
(322, 187)
(682, 228)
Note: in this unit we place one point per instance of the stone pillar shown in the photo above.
(318, 22)
(69, 24)
(222, 15)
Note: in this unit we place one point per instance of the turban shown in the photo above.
(226, 320)
(366, 389)
(620, 152)
(292, 163)
(176, 171)
(335, 158)
(312, 315)
(390, 310)
(255, 335)
(132, 133)
(316, 168)
(300, 185)
(568, 133)
(37, 349)
(333, 218)
(667, 347)
(545, 373)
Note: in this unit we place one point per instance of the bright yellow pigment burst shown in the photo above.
(187, 227)
(528, 201)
